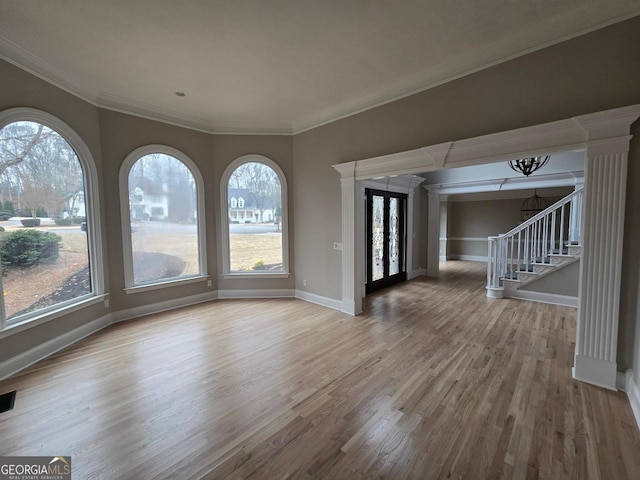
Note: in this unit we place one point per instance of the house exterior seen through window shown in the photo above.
(43, 249)
(254, 194)
(163, 214)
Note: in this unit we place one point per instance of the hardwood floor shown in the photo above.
(435, 380)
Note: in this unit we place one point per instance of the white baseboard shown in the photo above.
(256, 293)
(319, 300)
(542, 297)
(470, 258)
(443, 258)
(42, 351)
(158, 307)
(418, 272)
(632, 390)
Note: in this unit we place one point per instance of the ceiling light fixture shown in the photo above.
(527, 166)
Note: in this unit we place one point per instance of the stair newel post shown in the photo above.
(494, 289)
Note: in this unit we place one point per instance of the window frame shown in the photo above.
(94, 226)
(224, 216)
(125, 216)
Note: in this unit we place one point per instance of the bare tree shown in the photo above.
(41, 166)
(262, 182)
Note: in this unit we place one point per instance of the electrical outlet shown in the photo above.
(106, 303)
(304, 283)
(209, 283)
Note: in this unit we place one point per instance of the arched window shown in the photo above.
(161, 197)
(49, 217)
(256, 244)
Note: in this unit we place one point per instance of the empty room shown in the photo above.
(331, 240)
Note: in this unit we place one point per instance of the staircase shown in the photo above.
(543, 244)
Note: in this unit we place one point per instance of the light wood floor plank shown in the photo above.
(434, 380)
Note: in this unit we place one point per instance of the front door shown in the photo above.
(386, 241)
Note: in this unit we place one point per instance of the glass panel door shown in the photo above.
(385, 238)
(394, 236)
(377, 238)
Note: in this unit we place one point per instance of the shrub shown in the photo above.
(8, 207)
(259, 265)
(1, 229)
(5, 216)
(30, 222)
(41, 212)
(24, 248)
(63, 222)
(79, 220)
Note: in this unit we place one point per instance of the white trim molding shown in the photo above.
(29, 357)
(469, 258)
(256, 293)
(604, 137)
(319, 300)
(166, 305)
(542, 297)
(632, 389)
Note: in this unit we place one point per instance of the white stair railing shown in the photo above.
(549, 232)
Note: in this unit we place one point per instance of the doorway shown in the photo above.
(385, 238)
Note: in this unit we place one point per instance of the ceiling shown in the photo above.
(279, 66)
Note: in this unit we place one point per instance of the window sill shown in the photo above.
(22, 325)
(256, 275)
(168, 283)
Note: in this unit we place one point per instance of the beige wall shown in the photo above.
(471, 222)
(629, 303)
(278, 148)
(121, 134)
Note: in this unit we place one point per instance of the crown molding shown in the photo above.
(545, 139)
(50, 73)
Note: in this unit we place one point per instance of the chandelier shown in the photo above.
(527, 166)
(532, 206)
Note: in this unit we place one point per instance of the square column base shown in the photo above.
(596, 372)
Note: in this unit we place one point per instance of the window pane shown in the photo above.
(255, 233)
(163, 209)
(394, 236)
(377, 238)
(44, 249)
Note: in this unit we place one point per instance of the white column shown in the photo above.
(409, 216)
(601, 262)
(351, 298)
(433, 234)
(444, 228)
